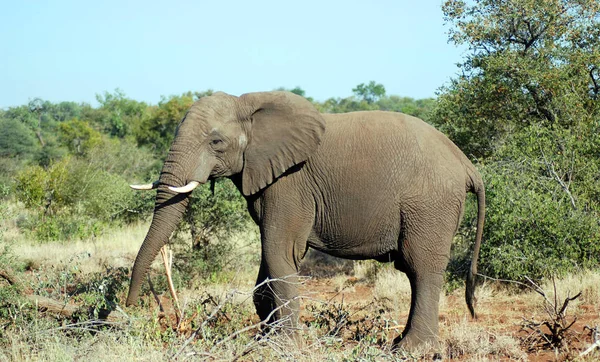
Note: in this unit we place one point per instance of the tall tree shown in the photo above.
(117, 113)
(530, 62)
(37, 107)
(527, 105)
(370, 92)
(157, 129)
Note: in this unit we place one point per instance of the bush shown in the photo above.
(529, 231)
(11, 300)
(78, 197)
(213, 218)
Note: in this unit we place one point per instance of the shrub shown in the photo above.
(528, 232)
(212, 218)
(77, 197)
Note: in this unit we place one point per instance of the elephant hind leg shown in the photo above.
(421, 331)
(424, 255)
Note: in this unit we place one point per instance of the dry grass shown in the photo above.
(146, 337)
(392, 289)
(366, 270)
(116, 248)
(103, 346)
(588, 283)
(464, 339)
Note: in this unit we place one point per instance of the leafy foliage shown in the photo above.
(16, 139)
(78, 136)
(211, 219)
(75, 197)
(118, 114)
(369, 93)
(158, 128)
(526, 105)
(530, 62)
(372, 96)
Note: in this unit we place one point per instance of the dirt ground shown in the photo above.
(498, 314)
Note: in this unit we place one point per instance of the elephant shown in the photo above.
(360, 185)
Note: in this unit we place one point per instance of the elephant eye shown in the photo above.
(217, 144)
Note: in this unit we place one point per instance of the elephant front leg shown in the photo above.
(276, 296)
(283, 240)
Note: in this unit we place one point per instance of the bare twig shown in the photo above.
(160, 306)
(561, 182)
(273, 326)
(559, 333)
(595, 334)
(85, 325)
(505, 281)
(590, 349)
(260, 324)
(167, 257)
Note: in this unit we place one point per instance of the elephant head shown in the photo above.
(255, 137)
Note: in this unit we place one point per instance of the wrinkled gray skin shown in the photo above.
(363, 185)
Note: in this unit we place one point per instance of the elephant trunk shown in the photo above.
(168, 212)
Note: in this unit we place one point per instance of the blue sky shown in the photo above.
(72, 50)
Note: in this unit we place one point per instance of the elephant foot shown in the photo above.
(418, 346)
(282, 333)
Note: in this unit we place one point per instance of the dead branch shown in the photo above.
(595, 334)
(561, 182)
(273, 327)
(167, 256)
(590, 349)
(156, 298)
(559, 327)
(49, 305)
(10, 277)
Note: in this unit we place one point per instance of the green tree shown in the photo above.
(529, 62)
(420, 108)
(296, 90)
(372, 97)
(117, 113)
(157, 129)
(38, 115)
(370, 92)
(526, 105)
(38, 107)
(78, 136)
(16, 139)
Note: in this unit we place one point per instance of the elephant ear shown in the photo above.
(285, 130)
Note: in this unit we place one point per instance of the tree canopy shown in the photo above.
(526, 106)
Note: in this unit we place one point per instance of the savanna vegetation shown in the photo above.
(524, 107)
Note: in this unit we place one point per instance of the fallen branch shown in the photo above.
(167, 257)
(49, 305)
(590, 349)
(10, 277)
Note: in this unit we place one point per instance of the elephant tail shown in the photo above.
(478, 189)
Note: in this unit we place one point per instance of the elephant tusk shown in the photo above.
(151, 186)
(187, 188)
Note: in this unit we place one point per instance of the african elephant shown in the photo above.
(362, 185)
